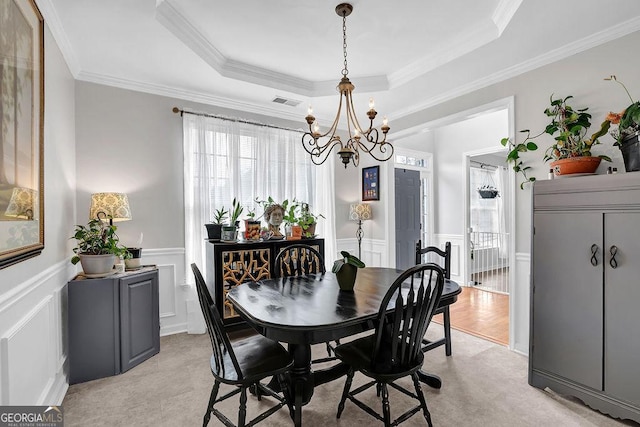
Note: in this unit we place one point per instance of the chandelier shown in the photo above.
(319, 145)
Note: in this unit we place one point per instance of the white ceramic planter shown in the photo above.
(97, 264)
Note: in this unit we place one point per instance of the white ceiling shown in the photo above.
(242, 54)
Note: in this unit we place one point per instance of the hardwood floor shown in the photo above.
(481, 313)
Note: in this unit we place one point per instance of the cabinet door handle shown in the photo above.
(594, 252)
(613, 250)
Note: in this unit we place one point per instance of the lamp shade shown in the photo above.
(21, 203)
(114, 206)
(360, 212)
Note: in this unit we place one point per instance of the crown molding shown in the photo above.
(558, 54)
(468, 41)
(52, 20)
(504, 13)
(173, 20)
(171, 92)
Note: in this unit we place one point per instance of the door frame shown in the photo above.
(425, 172)
(511, 188)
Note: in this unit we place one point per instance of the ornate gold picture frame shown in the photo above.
(21, 131)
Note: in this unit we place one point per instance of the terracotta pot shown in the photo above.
(296, 233)
(574, 165)
(309, 232)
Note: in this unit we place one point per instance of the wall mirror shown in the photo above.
(21, 134)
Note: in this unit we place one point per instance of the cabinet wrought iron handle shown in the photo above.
(594, 252)
(613, 250)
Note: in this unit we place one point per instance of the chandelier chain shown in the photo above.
(345, 71)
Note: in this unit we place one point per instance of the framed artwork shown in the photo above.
(21, 131)
(371, 183)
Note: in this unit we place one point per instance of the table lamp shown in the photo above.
(111, 206)
(360, 212)
(21, 203)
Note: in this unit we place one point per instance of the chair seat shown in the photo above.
(358, 354)
(258, 357)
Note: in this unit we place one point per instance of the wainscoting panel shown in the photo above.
(519, 304)
(24, 369)
(33, 338)
(374, 251)
(174, 291)
(457, 251)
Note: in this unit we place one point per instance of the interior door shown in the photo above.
(407, 185)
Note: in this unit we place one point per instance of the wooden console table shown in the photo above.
(230, 264)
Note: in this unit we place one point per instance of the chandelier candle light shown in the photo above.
(319, 145)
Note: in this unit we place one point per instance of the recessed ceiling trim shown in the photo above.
(173, 20)
(504, 13)
(558, 54)
(468, 41)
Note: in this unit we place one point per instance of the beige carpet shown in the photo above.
(485, 384)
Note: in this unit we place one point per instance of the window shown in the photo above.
(484, 213)
(227, 159)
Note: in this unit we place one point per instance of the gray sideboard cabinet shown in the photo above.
(113, 323)
(585, 291)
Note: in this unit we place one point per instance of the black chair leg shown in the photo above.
(423, 402)
(286, 392)
(212, 399)
(386, 411)
(447, 331)
(242, 413)
(345, 392)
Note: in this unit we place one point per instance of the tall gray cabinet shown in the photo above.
(113, 323)
(585, 291)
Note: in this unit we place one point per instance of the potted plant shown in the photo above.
(214, 229)
(627, 132)
(346, 270)
(308, 221)
(571, 151)
(97, 248)
(230, 232)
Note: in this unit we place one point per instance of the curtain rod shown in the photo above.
(249, 122)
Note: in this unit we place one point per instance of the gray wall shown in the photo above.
(131, 142)
(580, 75)
(32, 293)
(450, 143)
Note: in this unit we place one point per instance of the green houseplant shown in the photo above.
(97, 248)
(214, 229)
(571, 150)
(346, 270)
(230, 232)
(308, 220)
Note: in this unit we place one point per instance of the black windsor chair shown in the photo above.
(394, 350)
(301, 259)
(243, 364)
(446, 317)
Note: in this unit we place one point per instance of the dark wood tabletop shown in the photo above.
(312, 309)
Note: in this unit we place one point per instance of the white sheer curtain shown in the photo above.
(226, 159)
